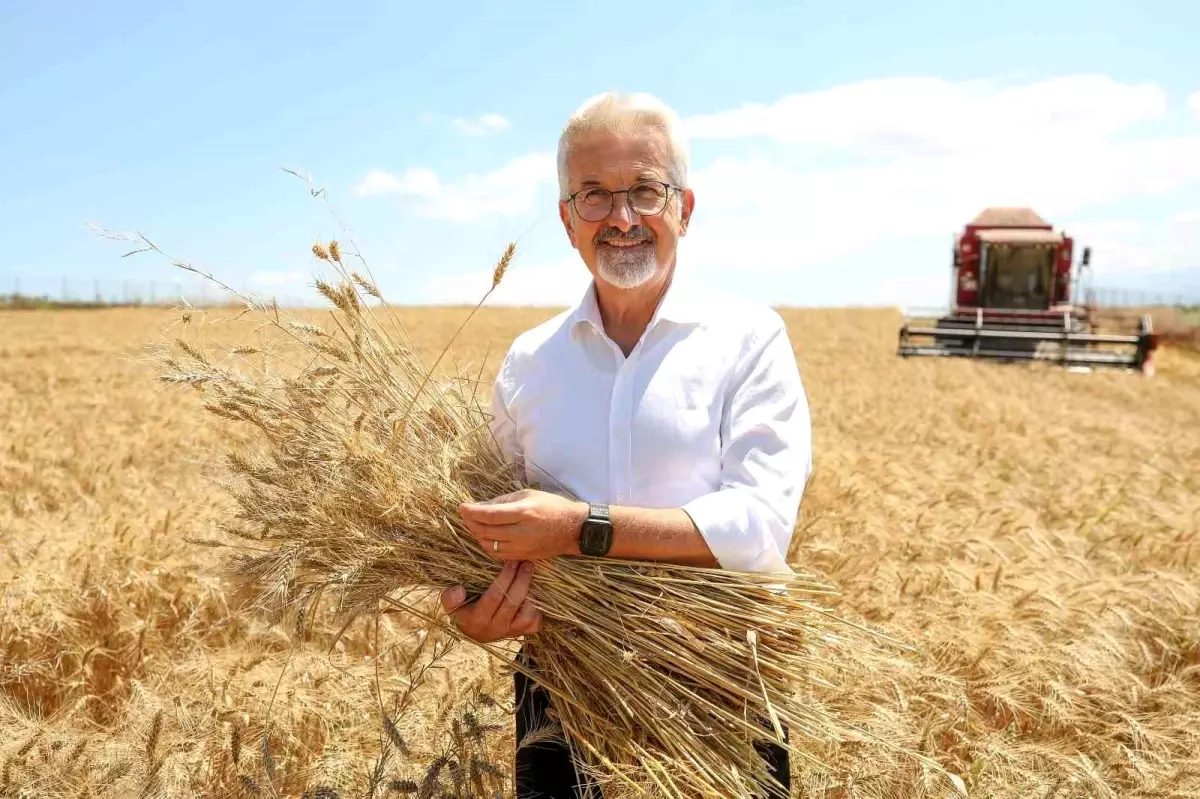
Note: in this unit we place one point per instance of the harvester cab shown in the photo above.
(1013, 297)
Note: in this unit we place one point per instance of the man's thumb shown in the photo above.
(452, 598)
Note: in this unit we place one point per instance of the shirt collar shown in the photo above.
(681, 304)
(587, 312)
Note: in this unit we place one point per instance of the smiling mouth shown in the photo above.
(621, 243)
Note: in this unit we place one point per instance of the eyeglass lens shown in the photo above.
(646, 199)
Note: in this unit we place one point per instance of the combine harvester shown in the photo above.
(1012, 300)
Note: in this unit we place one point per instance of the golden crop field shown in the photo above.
(1033, 533)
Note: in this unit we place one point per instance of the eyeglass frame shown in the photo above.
(612, 197)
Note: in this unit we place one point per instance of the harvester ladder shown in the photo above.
(1066, 340)
(978, 329)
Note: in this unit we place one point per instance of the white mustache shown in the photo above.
(634, 236)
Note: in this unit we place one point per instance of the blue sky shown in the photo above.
(836, 147)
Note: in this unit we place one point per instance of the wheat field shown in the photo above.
(1033, 533)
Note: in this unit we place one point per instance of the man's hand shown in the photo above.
(528, 524)
(504, 610)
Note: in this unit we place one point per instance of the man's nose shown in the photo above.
(621, 216)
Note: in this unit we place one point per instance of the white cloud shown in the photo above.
(1124, 251)
(925, 157)
(927, 116)
(483, 125)
(880, 174)
(757, 215)
(379, 182)
(511, 190)
(905, 291)
(560, 283)
(1189, 217)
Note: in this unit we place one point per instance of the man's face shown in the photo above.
(624, 248)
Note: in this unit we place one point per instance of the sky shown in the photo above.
(836, 148)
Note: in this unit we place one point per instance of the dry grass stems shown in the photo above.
(1036, 532)
(663, 677)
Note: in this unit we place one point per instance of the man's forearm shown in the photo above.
(665, 535)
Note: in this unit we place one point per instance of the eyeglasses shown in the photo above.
(645, 198)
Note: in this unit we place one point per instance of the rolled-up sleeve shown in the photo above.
(766, 458)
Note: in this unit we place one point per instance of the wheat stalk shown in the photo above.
(658, 673)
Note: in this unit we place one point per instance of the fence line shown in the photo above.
(125, 292)
(198, 293)
(1117, 297)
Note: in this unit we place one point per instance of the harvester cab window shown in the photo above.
(1018, 276)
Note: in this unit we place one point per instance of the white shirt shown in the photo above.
(707, 414)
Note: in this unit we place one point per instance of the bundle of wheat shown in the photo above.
(662, 677)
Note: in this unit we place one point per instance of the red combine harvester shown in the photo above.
(1011, 300)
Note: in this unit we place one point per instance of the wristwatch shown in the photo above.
(595, 534)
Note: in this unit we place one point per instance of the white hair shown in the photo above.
(612, 111)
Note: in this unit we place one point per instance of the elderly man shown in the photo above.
(676, 416)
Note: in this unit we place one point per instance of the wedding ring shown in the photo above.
(495, 546)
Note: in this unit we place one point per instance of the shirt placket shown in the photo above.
(620, 426)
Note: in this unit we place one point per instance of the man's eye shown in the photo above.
(647, 192)
(594, 197)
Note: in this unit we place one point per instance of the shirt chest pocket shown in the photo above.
(675, 454)
(678, 426)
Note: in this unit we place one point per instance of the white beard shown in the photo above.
(626, 269)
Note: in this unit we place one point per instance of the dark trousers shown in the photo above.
(545, 770)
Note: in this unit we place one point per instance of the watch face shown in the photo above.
(596, 537)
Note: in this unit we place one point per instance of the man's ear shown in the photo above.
(688, 198)
(564, 213)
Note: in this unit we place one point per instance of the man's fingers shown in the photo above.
(453, 598)
(509, 512)
(503, 610)
(536, 625)
(495, 592)
(487, 533)
(514, 596)
(515, 540)
(511, 496)
(528, 619)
